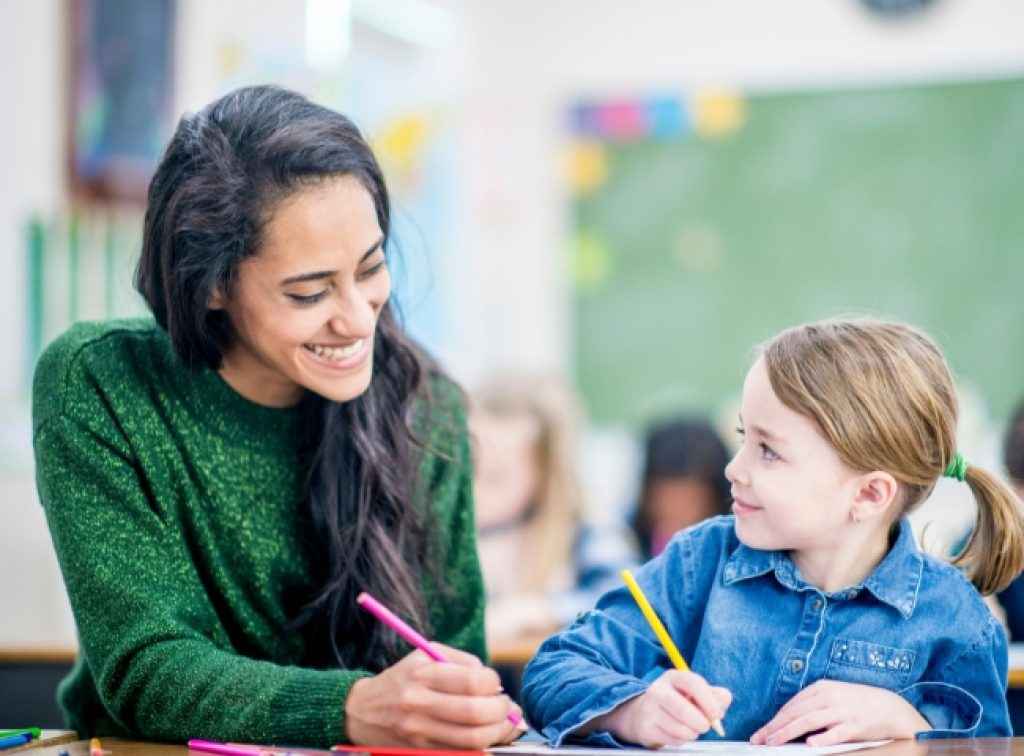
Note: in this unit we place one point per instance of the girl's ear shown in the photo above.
(876, 493)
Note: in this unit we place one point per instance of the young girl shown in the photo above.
(810, 612)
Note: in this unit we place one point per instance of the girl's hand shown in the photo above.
(421, 703)
(677, 708)
(844, 712)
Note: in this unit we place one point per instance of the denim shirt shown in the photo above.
(745, 619)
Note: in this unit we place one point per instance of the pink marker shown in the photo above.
(392, 620)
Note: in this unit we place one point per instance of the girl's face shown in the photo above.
(304, 308)
(790, 489)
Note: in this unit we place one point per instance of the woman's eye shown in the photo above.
(373, 271)
(767, 453)
(308, 299)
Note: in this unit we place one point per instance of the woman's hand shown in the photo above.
(677, 708)
(843, 712)
(426, 704)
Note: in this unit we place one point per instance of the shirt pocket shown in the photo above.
(869, 664)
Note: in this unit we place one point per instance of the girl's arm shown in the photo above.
(968, 696)
(609, 655)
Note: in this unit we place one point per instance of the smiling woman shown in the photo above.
(221, 483)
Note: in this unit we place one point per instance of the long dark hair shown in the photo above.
(223, 173)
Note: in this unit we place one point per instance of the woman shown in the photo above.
(220, 484)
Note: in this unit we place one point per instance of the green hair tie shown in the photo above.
(957, 468)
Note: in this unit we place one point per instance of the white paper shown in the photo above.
(710, 746)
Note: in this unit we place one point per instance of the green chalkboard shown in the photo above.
(902, 202)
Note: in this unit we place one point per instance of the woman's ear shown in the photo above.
(876, 492)
(217, 300)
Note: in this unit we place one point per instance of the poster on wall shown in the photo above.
(120, 79)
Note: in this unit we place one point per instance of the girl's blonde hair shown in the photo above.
(882, 394)
(552, 530)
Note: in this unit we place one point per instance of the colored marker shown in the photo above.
(392, 620)
(33, 732)
(15, 740)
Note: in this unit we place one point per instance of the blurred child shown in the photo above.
(811, 612)
(542, 562)
(683, 481)
(1012, 599)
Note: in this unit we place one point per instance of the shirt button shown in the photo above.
(796, 665)
(816, 606)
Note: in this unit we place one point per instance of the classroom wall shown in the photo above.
(515, 218)
(523, 63)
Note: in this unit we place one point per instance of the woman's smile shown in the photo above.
(338, 357)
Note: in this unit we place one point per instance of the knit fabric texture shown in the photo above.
(175, 505)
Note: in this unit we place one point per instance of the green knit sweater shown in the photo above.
(173, 503)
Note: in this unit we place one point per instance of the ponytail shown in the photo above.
(994, 554)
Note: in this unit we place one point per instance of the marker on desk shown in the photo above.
(399, 751)
(238, 749)
(32, 732)
(392, 620)
(15, 740)
(659, 630)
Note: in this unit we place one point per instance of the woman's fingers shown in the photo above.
(456, 709)
(474, 680)
(456, 655)
(427, 732)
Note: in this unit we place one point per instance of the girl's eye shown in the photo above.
(308, 299)
(767, 453)
(740, 431)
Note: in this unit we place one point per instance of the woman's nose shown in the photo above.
(354, 316)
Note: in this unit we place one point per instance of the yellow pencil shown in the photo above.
(659, 630)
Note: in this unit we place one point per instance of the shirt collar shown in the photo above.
(894, 581)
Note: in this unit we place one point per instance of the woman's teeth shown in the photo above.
(335, 353)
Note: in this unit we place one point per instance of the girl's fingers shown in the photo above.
(841, 733)
(674, 706)
(669, 731)
(802, 703)
(802, 725)
(696, 688)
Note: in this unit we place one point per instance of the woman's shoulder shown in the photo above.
(93, 357)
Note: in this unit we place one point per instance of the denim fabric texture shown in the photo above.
(746, 620)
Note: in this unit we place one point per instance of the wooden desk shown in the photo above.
(978, 747)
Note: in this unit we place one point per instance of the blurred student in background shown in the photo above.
(543, 562)
(683, 481)
(1012, 599)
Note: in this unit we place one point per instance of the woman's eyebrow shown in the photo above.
(317, 275)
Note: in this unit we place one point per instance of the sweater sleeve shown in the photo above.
(149, 632)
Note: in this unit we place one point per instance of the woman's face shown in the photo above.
(304, 308)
